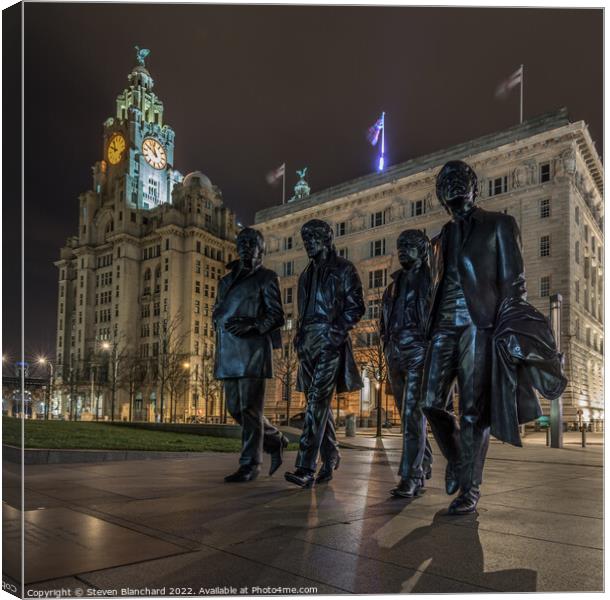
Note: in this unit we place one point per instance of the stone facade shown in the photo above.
(545, 172)
(138, 283)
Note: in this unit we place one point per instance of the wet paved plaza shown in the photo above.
(174, 523)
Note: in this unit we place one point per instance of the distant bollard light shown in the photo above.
(350, 425)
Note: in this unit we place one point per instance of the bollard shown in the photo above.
(583, 430)
(350, 425)
(548, 436)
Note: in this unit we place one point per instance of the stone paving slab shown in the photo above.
(539, 527)
(61, 541)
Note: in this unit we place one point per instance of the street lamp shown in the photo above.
(42, 360)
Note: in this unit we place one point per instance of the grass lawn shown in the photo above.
(97, 436)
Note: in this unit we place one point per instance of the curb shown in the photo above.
(48, 456)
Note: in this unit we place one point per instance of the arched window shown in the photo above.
(147, 275)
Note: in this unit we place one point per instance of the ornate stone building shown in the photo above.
(138, 281)
(545, 172)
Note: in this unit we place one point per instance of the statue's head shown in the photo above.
(317, 236)
(250, 246)
(412, 246)
(457, 187)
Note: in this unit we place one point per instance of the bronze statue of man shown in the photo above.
(404, 314)
(330, 303)
(476, 266)
(247, 317)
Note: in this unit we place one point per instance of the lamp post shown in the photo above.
(108, 347)
(42, 360)
(186, 366)
(378, 404)
(556, 405)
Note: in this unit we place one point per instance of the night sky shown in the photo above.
(247, 88)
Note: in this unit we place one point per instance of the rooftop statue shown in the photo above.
(141, 54)
(301, 189)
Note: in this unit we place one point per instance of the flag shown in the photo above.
(372, 134)
(508, 84)
(273, 176)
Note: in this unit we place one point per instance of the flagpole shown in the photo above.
(284, 185)
(522, 78)
(381, 160)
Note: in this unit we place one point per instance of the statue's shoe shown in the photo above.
(408, 487)
(243, 474)
(325, 474)
(452, 478)
(277, 456)
(465, 503)
(301, 477)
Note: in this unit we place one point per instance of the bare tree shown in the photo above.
(133, 375)
(285, 367)
(209, 386)
(117, 351)
(369, 349)
(169, 370)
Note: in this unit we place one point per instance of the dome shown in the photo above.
(198, 178)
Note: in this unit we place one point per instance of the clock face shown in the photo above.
(116, 147)
(154, 153)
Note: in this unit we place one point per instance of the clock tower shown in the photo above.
(138, 147)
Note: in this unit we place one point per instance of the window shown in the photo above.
(377, 248)
(545, 286)
(288, 243)
(133, 217)
(166, 264)
(288, 268)
(167, 244)
(206, 289)
(197, 266)
(372, 339)
(165, 285)
(373, 308)
(343, 252)
(196, 346)
(340, 229)
(545, 208)
(577, 253)
(545, 172)
(288, 295)
(499, 185)
(198, 246)
(197, 307)
(378, 219)
(198, 287)
(196, 327)
(417, 208)
(378, 278)
(577, 215)
(545, 245)
(145, 310)
(577, 290)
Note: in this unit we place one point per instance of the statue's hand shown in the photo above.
(336, 338)
(241, 326)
